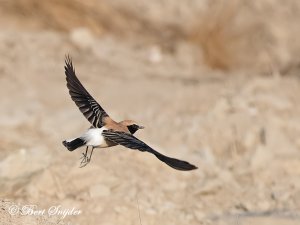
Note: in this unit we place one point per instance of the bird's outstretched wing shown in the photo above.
(85, 102)
(132, 142)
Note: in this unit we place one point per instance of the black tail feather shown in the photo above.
(176, 163)
(72, 145)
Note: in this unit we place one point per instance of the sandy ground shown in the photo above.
(241, 128)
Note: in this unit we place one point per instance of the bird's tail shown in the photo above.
(176, 163)
(73, 144)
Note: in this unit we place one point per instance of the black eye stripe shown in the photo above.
(133, 128)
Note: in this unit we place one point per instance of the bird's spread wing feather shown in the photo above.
(132, 142)
(85, 102)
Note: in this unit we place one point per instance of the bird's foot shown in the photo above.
(84, 163)
(85, 158)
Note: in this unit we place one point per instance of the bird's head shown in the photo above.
(132, 126)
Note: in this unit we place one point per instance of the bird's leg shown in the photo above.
(89, 158)
(84, 157)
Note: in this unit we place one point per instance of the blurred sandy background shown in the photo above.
(214, 82)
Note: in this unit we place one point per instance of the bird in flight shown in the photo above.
(105, 132)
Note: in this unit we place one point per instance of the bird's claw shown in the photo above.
(83, 157)
(83, 164)
(85, 160)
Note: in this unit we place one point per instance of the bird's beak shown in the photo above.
(141, 127)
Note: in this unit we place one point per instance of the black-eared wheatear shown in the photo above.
(105, 132)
